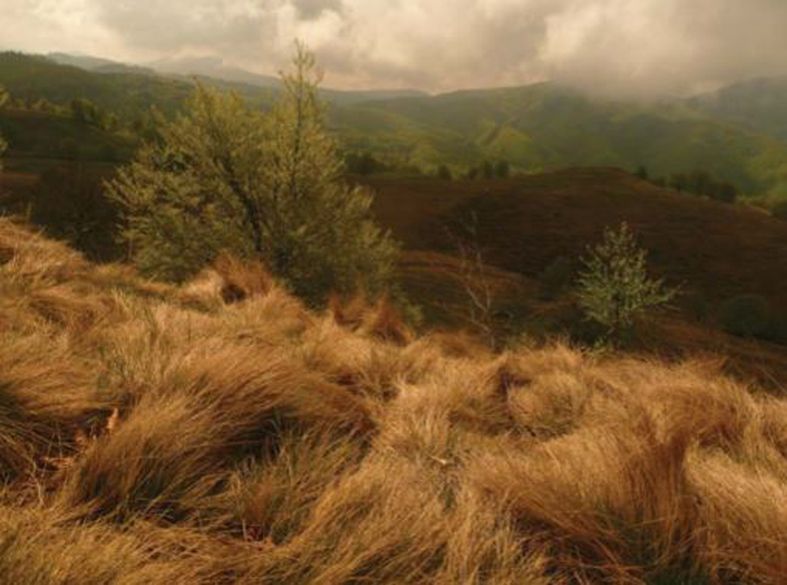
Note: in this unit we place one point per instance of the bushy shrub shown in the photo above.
(747, 315)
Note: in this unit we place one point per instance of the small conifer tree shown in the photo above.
(614, 287)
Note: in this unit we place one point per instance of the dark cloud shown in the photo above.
(311, 9)
(631, 46)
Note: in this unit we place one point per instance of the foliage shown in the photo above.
(363, 164)
(225, 177)
(614, 288)
(747, 315)
(700, 182)
(444, 173)
(502, 169)
(69, 203)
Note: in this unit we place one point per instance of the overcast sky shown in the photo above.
(637, 46)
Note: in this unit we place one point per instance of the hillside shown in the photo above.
(757, 104)
(536, 128)
(527, 222)
(545, 127)
(712, 252)
(153, 434)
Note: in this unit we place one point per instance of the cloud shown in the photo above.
(621, 46)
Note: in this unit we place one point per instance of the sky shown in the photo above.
(639, 47)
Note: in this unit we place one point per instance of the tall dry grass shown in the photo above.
(221, 433)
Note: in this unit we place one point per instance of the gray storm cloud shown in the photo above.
(621, 46)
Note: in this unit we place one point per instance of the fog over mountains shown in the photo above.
(620, 47)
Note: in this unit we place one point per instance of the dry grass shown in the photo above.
(151, 434)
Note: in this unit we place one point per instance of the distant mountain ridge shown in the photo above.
(214, 68)
(758, 104)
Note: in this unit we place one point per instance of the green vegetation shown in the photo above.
(614, 287)
(704, 184)
(227, 178)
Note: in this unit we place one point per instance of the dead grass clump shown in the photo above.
(271, 500)
(380, 320)
(47, 398)
(382, 524)
(242, 279)
(72, 309)
(628, 516)
(42, 547)
(29, 255)
(209, 411)
(743, 516)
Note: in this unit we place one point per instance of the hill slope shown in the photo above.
(757, 104)
(545, 127)
(150, 434)
(525, 223)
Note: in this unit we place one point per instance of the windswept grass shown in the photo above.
(221, 433)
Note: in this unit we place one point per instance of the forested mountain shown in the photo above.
(737, 134)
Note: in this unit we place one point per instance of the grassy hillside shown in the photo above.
(152, 434)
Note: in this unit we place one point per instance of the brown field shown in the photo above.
(221, 433)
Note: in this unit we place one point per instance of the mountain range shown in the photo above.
(738, 133)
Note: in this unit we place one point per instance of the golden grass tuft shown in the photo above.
(157, 434)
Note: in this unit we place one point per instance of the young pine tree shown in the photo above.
(225, 178)
(614, 288)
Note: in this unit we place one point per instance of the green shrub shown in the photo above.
(614, 288)
(444, 173)
(746, 315)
